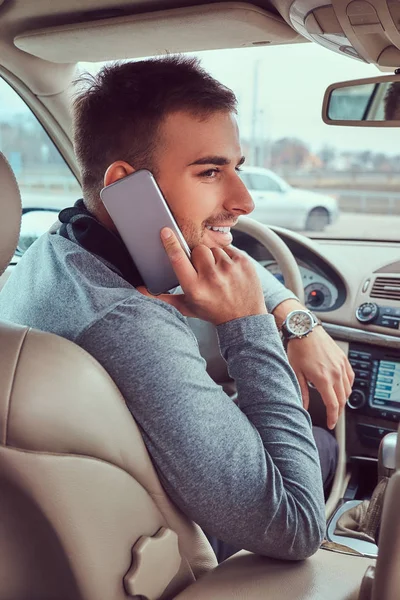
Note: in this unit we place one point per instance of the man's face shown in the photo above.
(197, 162)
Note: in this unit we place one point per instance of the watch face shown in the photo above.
(299, 323)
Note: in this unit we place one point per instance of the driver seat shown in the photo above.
(83, 514)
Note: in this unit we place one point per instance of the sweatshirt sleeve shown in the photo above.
(248, 473)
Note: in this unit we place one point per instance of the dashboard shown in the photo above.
(319, 292)
(324, 289)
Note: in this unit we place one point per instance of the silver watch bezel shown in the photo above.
(289, 334)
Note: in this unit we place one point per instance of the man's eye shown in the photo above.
(210, 173)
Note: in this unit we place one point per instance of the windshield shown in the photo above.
(322, 181)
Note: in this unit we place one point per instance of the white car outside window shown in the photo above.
(278, 203)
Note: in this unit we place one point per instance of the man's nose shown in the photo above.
(238, 199)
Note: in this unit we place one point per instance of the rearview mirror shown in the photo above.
(373, 102)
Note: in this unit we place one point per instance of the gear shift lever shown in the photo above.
(387, 455)
(363, 521)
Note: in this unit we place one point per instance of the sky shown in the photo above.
(291, 84)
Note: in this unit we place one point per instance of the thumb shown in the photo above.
(305, 393)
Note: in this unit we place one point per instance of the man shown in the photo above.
(248, 473)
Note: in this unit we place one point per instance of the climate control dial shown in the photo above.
(367, 312)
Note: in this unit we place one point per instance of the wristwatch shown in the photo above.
(298, 324)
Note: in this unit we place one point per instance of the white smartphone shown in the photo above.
(139, 212)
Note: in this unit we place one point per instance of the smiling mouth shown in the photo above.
(220, 229)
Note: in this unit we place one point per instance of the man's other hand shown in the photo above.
(319, 360)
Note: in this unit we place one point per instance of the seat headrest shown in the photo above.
(11, 212)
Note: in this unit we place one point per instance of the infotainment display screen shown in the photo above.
(387, 384)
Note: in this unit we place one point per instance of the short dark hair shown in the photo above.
(392, 102)
(119, 112)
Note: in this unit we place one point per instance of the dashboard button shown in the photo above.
(358, 355)
(361, 383)
(389, 322)
(361, 374)
(360, 364)
(387, 310)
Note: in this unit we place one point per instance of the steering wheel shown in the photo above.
(280, 252)
(206, 333)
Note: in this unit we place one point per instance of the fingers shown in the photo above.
(305, 394)
(350, 375)
(221, 257)
(215, 282)
(181, 264)
(233, 253)
(347, 380)
(320, 361)
(330, 399)
(204, 260)
(335, 389)
(340, 391)
(348, 384)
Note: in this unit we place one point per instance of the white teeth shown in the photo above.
(221, 229)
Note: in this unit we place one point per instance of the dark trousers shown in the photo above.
(328, 456)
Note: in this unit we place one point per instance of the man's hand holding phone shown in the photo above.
(219, 285)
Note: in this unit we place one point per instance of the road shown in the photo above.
(362, 226)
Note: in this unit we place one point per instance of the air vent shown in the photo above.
(386, 287)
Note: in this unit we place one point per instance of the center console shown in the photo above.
(372, 412)
(373, 407)
(376, 389)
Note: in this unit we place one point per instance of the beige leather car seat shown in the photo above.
(82, 513)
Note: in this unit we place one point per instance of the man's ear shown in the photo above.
(118, 170)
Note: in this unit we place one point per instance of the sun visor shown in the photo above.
(215, 26)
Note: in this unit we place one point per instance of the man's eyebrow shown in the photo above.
(215, 160)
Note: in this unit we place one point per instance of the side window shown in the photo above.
(46, 183)
(263, 183)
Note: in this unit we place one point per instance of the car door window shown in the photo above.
(45, 180)
(263, 183)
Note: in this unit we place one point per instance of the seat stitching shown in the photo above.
(7, 417)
